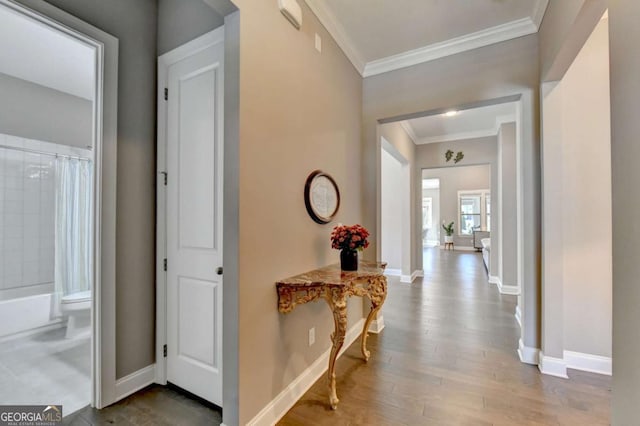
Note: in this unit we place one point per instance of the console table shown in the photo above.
(335, 287)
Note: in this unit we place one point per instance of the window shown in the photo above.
(475, 211)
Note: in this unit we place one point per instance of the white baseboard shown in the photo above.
(393, 272)
(286, 399)
(587, 362)
(508, 289)
(528, 355)
(518, 316)
(135, 381)
(412, 277)
(377, 325)
(504, 288)
(552, 366)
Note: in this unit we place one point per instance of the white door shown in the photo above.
(194, 222)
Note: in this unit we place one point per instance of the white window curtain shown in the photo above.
(73, 227)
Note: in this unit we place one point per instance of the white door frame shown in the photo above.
(103, 341)
(164, 62)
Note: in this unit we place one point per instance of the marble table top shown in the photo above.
(332, 275)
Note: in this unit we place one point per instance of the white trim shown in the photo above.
(508, 289)
(486, 37)
(406, 125)
(518, 316)
(528, 355)
(331, 24)
(164, 62)
(135, 381)
(539, 11)
(390, 272)
(449, 137)
(552, 366)
(103, 312)
(286, 399)
(377, 325)
(411, 278)
(587, 362)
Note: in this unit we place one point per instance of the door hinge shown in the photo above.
(164, 264)
(164, 351)
(166, 94)
(164, 177)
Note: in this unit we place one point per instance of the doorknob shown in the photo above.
(219, 270)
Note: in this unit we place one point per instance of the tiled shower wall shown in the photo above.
(27, 218)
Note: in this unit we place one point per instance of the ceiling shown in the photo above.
(32, 51)
(382, 35)
(466, 124)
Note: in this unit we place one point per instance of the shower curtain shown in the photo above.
(73, 223)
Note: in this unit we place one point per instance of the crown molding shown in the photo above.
(538, 12)
(497, 34)
(409, 129)
(330, 23)
(457, 136)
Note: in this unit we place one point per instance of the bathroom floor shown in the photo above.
(46, 368)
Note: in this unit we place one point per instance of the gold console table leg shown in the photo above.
(337, 301)
(377, 295)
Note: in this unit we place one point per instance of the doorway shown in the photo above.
(57, 168)
(190, 219)
(430, 212)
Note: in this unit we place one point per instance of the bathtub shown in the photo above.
(22, 313)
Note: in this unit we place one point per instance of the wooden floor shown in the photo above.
(152, 406)
(448, 357)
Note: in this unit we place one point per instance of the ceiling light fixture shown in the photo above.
(451, 113)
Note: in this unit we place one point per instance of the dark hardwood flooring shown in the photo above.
(154, 405)
(448, 357)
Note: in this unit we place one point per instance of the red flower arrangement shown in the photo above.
(344, 237)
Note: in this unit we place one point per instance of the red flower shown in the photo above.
(349, 237)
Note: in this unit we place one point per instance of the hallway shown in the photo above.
(448, 356)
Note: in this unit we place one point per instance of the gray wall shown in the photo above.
(508, 193)
(134, 24)
(452, 180)
(36, 112)
(180, 21)
(624, 33)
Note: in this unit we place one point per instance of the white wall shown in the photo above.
(452, 180)
(587, 235)
(577, 262)
(391, 213)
